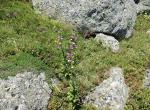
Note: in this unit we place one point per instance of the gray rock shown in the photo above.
(147, 79)
(112, 93)
(108, 41)
(144, 5)
(25, 91)
(114, 17)
(145, 2)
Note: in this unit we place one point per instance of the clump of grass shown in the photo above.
(68, 70)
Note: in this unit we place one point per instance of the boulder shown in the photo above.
(113, 17)
(108, 42)
(143, 5)
(111, 94)
(145, 2)
(25, 91)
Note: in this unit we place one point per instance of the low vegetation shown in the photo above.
(28, 42)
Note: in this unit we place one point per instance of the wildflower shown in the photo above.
(73, 38)
(72, 46)
(59, 41)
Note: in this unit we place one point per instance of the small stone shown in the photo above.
(148, 32)
(108, 41)
(147, 79)
(55, 81)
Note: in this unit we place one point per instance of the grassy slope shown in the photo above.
(27, 42)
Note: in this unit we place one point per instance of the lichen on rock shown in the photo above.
(115, 17)
(112, 93)
(25, 91)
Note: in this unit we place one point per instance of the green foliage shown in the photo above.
(89, 107)
(139, 100)
(73, 95)
(145, 14)
(22, 31)
(68, 71)
(21, 62)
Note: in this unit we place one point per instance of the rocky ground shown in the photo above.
(111, 70)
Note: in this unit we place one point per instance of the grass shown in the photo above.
(28, 43)
(28, 37)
